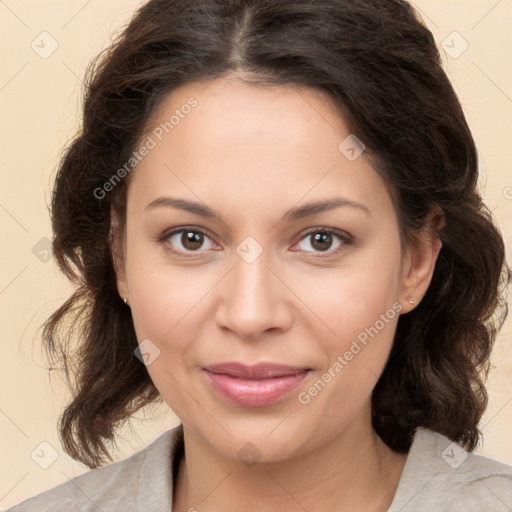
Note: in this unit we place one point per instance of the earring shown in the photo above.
(125, 301)
(411, 300)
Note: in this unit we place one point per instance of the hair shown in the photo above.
(379, 63)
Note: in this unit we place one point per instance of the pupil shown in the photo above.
(322, 237)
(192, 240)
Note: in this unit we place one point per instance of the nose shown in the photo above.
(254, 299)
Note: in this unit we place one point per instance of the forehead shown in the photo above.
(278, 143)
(270, 114)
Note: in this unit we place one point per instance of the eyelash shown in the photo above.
(344, 237)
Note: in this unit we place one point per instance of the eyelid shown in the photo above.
(346, 239)
(170, 232)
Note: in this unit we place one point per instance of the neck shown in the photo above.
(352, 471)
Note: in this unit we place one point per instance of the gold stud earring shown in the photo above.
(411, 300)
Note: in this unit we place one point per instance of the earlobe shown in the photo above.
(118, 257)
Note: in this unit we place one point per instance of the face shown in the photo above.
(252, 282)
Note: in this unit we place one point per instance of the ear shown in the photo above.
(117, 247)
(419, 261)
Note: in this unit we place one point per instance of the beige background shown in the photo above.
(40, 104)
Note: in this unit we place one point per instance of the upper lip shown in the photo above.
(261, 370)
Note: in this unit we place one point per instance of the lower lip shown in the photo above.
(254, 392)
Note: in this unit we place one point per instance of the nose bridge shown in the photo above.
(251, 301)
(251, 279)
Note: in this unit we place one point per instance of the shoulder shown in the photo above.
(440, 474)
(121, 485)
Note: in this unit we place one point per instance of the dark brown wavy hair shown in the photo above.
(380, 64)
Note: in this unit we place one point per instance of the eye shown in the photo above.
(323, 240)
(192, 240)
(186, 240)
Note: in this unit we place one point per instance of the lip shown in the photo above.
(254, 386)
(256, 371)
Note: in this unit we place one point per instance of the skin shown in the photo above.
(251, 154)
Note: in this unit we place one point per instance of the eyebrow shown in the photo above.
(294, 214)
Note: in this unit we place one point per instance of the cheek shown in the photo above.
(352, 297)
(356, 312)
(165, 307)
(164, 302)
(162, 295)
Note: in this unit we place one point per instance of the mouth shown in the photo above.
(254, 386)
(258, 371)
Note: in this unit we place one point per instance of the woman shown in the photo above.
(272, 218)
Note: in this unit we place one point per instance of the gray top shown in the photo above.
(439, 476)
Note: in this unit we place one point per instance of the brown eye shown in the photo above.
(191, 240)
(322, 240)
(187, 240)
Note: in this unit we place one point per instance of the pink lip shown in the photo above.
(256, 385)
(256, 371)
